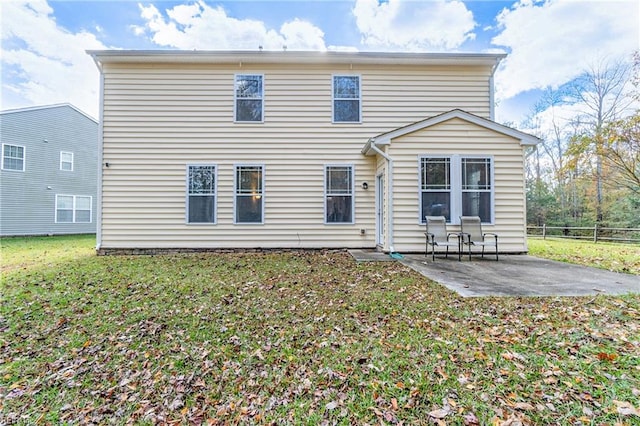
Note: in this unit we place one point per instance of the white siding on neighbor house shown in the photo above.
(457, 136)
(159, 117)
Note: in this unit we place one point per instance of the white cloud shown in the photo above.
(44, 63)
(413, 25)
(552, 42)
(200, 26)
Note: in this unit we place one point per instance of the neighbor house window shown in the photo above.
(346, 99)
(249, 97)
(457, 185)
(66, 161)
(201, 194)
(12, 157)
(249, 192)
(73, 209)
(338, 204)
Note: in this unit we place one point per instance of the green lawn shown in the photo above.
(296, 338)
(614, 257)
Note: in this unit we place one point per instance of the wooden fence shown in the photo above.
(593, 233)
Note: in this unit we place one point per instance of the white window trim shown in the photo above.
(456, 185)
(353, 194)
(24, 157)
(454, 182)
(333, 99)
(61, 154)
(235, 193)
(215, 195)
(235, 99)
(73, 217)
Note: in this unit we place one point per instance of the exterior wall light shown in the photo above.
(365, 185)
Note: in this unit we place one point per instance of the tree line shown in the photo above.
(586, 170)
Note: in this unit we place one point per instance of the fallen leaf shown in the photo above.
(439, 414)
(394, 404)
(603, 356)
(626, 408)
(470, 419)
(177, 403)
(523, 406)
(331, 406)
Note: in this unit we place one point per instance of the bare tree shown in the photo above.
(603, 92)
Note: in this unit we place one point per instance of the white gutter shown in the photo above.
(100, 164)
(389, 216)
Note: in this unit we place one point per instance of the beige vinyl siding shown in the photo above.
(457, 136)
(159, 117)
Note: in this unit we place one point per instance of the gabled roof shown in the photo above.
(385, 138)
(37, 108)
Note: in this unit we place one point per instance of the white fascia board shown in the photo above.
(293, 57)
(525, 139)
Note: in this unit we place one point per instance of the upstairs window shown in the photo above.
(66, 161)
(249, 191)
(12, 157)
(201, 194)
(346, 99)
(338, 204)
(249, 97)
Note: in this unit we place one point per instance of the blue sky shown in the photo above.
(548, 42)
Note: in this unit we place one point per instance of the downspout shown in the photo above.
(100, 165)
(100, 156)
(389, 215)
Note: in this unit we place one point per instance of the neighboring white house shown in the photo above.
(49, 171)
(205, 150)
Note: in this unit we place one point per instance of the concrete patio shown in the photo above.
(513, 275)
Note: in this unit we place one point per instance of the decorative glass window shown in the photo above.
(12, 157)
(249, 191)
(338, 205)
(435, 185)
(66, 161)
(73, 208)
(346, 99)
(455, 186)
(201, 194)
(249, 97)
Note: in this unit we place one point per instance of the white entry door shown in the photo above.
(380, 209)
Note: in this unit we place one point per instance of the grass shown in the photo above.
(296, 338)
(614, 257)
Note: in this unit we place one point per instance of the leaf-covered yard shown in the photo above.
(301, 338)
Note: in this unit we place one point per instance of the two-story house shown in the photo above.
(205, 150)
(49, 171)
